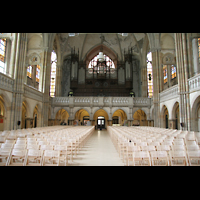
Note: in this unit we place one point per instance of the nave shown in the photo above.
(98, 151)
(83, 146)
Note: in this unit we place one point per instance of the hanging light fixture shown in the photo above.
(100, 57)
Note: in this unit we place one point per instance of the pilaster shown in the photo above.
(18, 90)
(182, 74)
(156, 85)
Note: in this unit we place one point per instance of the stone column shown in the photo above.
(156, 85)
(47, 74)
(182, 74)
(195, 55)
(18, 89)
(172, 123)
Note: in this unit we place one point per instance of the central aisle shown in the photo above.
(98, 151)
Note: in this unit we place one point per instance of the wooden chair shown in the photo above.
(17, 157)
(51, 158)
(130, 149)
(159, 158)
(63, 153)
(34, 157)
(5, 155)
(141, 158)
(178, 158)
(194, 158)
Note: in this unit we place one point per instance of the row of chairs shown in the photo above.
(155, 146)
(43, 146)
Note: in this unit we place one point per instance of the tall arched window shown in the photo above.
(149, 75)
(2, 55)
(199, 48)
(53, 73)
(94, 68)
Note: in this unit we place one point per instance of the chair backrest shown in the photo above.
(60, 147)
(51, 153)
(46, 147)
(158, 154)
(19, 152)
(35, 152)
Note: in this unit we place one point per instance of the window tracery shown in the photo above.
(96, 68)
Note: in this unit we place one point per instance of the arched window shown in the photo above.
(94, 68)
(165, 73)
(2, 55)
(173, 71)
(199, 48)
(53, 73)
(37, 73)
(149, 75)
(29, 71)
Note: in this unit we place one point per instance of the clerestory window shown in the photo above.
(53, 73)
(149, 75)
(2, 55)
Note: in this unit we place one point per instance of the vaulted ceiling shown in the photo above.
(140, 43)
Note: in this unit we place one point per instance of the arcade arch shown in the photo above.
(195, 115)
(164, 117)
(82, 116)
(101, 113)
(119, 117)
(62, 116)
(140, 118)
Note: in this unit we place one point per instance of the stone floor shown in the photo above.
(98, 151)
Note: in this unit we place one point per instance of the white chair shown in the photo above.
(63, 153)
(178, 158)
(2, 139)
(130, 149)
(46, 147)
(178, 147)
(194, 158)
(20, 146)
(141, 158)
(163, 148)
(159, 158)
(17, 157)
(34, 157)
(33, 146)
(51, 158)
(148, 148)
(192, 148)
(4, 155)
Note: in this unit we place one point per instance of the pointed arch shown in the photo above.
(95, 50)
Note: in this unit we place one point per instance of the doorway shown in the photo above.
(101, 122)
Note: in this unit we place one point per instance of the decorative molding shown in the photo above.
(34, 59)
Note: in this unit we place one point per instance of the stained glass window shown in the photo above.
(93, 68)
(29, 71)
(173, 71)
(199, 47)
(165, 73)
(149, 75)
(53, 73)
(37, 73)
(2, 55)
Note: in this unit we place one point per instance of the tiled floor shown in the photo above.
(98, 151)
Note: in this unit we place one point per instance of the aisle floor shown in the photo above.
(98, 151)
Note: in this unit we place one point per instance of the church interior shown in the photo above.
(116, 83)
